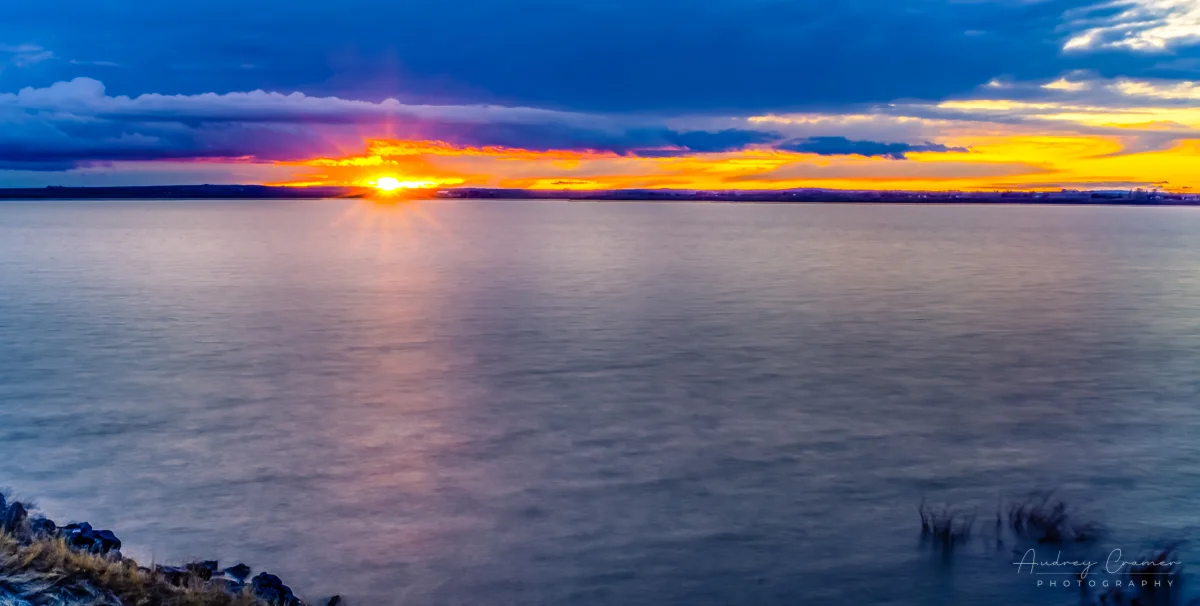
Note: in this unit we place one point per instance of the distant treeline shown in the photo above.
(245, 192)
(1138, 197)
(177, 192)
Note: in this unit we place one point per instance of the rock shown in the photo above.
(13, 517)
(335, 601)
(239, 572)
(227, 585)
(79, 535)
(175, 575)
(270, 589)
(203, 570)
(85, 538)
(106, 542)
(43, 528)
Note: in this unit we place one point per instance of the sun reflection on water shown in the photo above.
(394, 222)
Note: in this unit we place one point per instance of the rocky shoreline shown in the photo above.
(43, 564)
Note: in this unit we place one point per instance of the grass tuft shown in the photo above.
(1044, 517)
(947, 527)
(39, 568)
(47, 571)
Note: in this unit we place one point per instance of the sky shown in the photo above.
(688, 94)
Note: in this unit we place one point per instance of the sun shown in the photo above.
(388, 184)
(391, 185)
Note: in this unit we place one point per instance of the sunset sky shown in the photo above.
(692, 94)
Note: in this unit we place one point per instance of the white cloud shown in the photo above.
(1157, 90)
(1139, 25)
(88, 96)
(95, 63)
(1066, 85)
(23, 55)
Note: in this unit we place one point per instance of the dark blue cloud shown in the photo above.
(36, 165)
(76, 123)
(108, 141)
(603, 55)
(628, 141)
(841, 146)
(731, 139)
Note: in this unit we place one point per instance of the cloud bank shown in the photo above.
(1027, 133)
(75, 123)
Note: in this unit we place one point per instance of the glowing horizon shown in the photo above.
(1065, 133)
(992, 162)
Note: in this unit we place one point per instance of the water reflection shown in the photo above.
(541, 402)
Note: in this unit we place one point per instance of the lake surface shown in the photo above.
(494, 402)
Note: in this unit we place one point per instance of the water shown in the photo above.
(599, 403)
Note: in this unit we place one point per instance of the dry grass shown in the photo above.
(1040, 516)
(1044, 517)
(48, 572)
(947, 527)
(1154, 570)
(42, 565)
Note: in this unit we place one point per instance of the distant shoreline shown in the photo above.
(1135, 197)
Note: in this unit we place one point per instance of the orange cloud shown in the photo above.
(1017, 160)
